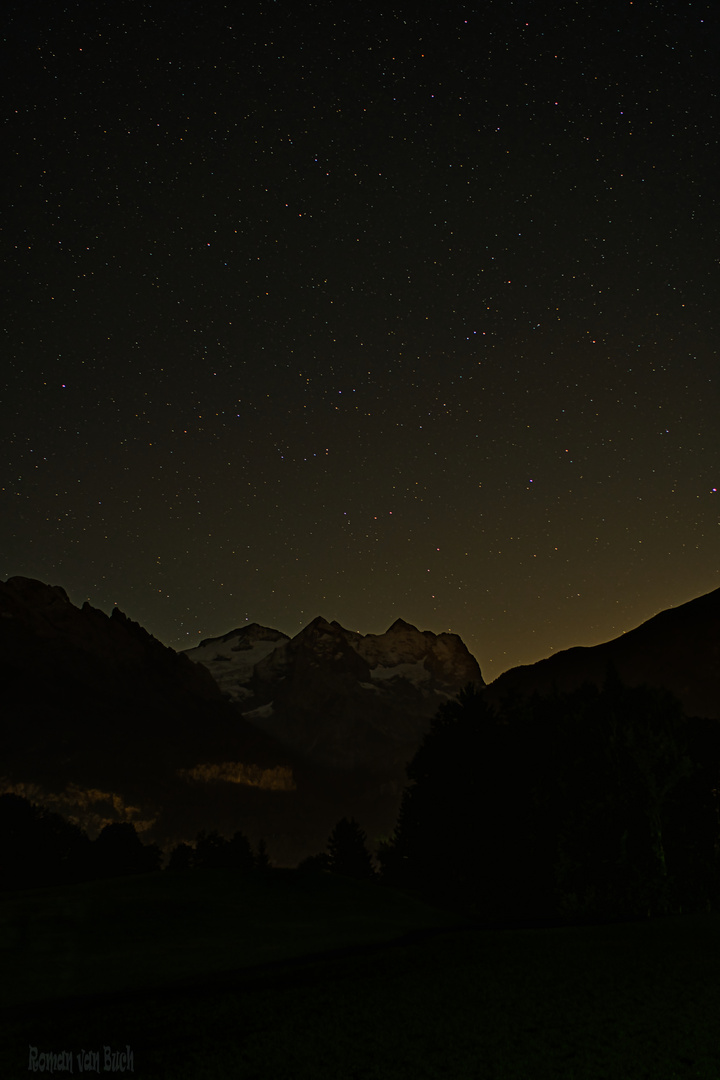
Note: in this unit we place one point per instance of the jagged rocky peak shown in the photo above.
(38, 591)
(320, 644)
(322, 632)
(40, 628)
(247, 663)
(444, 655)
(318, 623)
(45, 606)
(47, 612)
(352, 701)
(400, 625)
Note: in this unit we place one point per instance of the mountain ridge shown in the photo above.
(344, 699)
(678, 649)
(106, 723)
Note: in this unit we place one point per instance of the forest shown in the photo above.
(594, 804)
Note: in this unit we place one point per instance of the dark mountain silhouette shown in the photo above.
(103, 723)
(76, 681)
(42, 632)
(277, 737)
(678, 649)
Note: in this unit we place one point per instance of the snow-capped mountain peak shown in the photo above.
(231, 658)
(341, 697)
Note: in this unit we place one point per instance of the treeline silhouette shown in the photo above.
(595, 803)
(592, 804)
(214, 852)
(346, 854)
(38, 847)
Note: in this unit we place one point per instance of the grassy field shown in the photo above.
(210, 975)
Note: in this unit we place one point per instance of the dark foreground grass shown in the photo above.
(155, 930)
(623, 1001)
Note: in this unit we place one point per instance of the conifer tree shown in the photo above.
(240, 853)
(347, 850)
(39, 847)
(181, 858)
(578, 802)
(314, 864)
(211, 851)
(261, 858)
(118, 850)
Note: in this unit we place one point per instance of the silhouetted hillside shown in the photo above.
(103, 723)
(678, 649)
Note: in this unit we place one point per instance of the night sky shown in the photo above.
(361, 311)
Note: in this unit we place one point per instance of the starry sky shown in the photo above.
(363, 311)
